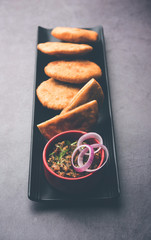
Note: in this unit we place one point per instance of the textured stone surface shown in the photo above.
(128, 43)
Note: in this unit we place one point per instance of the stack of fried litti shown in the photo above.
(72, 85)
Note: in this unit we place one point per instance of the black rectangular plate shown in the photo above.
(38, 188)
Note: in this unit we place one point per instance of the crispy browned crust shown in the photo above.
(55, 94)
(77, 35)
(75, 71)
(55, 48)
(81, 118)
(90, 91)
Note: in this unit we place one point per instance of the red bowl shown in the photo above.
(65, 184)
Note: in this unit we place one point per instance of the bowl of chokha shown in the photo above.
(63, 168)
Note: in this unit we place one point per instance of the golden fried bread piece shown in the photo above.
(61, 48)
(55, 94)
(82, 118)
(75, 71)
(90, 91)
(77, 35)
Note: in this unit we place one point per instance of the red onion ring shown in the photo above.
(88, 136)
(85, 166)
(80, 158)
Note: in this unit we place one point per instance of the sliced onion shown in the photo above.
(80, 158)
(85, 166)
(90, 135)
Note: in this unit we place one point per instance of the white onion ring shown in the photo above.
(80, 158)
(88, 136)
(85, 166)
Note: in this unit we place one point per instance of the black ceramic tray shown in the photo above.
(38, 188)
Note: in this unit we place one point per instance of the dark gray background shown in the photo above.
(127, 27)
